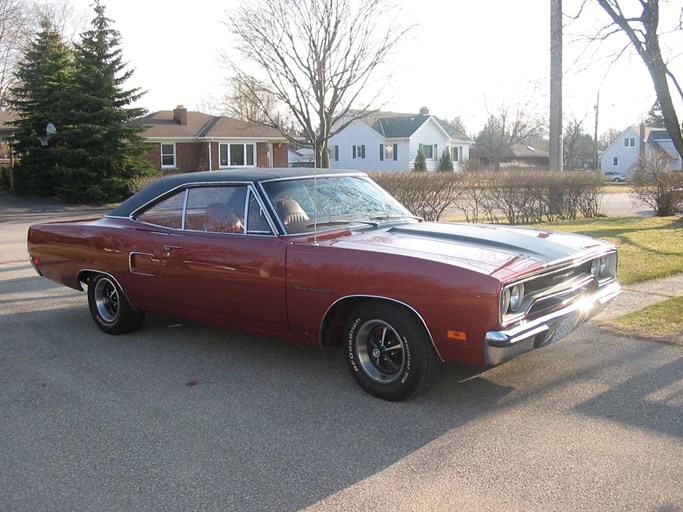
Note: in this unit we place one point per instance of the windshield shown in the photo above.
(331, 201)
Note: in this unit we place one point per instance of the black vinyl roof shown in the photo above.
(174, 181)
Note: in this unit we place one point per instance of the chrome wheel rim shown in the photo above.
(381, 351)
(107, 300)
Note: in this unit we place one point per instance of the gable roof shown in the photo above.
(6, 129)
(402, 125)
(514, 151)
(165, 124)
(656, 134)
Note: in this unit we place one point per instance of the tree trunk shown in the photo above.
(651, 54)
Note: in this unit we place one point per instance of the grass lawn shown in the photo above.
(662, 322)
(649, 247)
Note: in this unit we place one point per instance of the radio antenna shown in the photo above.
(315, 205)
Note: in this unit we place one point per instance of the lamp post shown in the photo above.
(50, 129)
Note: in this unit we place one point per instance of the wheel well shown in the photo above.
(332, 328)
(84, 276)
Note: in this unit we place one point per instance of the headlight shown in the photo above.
(516, 297)
(511, 299)
(604, 267)
(595, 267)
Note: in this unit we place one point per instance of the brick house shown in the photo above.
(184, 141)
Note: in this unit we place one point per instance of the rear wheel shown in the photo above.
(389, 351)
(109, 307)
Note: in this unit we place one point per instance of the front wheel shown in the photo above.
(389, 351)
(110, 308)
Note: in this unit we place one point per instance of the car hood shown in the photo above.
(500, 251)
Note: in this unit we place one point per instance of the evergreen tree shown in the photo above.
(420, 162)
(655, 118)
(40, 98)
(101, 153)
(446, 162)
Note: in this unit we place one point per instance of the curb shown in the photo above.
(639, 295)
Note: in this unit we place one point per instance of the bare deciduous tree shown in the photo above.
(521, 125)
(19, 22)
(607, 137)
(320, 58)
(61, 14)
(642, 28)
(12, 22)
(578, 145)
(249, 101)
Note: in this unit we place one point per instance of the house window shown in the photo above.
(167, 156)
(615, 161)
(358, 151)
(336, 153)
(429, 150)
(388, 152)
(630, 142)
(236, 155)
(455, 153)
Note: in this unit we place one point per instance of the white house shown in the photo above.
(624, 151)
(389, 141)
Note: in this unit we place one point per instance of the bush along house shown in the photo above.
(182, 141)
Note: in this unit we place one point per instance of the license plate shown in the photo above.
(566, 327)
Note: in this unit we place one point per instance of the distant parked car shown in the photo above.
(302, 164)
(614, 177)
(329, 258)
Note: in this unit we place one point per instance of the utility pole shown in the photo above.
(555, 145)
(595, 135)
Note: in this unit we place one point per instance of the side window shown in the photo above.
(256, 218)
(167, 213)
(216, 209)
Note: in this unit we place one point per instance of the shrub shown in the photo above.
(517, 196)
(525, 197)
(656, 185)
(426, 194)
(420, 162)
(446, 162)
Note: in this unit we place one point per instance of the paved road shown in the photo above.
(622, 203)
(95, 422)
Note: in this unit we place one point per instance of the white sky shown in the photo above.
(463, 58)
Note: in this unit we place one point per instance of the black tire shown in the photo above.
(110, 308)
(389, 351)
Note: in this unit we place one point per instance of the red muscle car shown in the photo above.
(328, 258)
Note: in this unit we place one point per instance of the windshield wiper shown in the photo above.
(342, 223)
(386, 216)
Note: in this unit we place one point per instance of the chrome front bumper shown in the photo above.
(501, 346)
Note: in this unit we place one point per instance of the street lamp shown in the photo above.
(49, 130)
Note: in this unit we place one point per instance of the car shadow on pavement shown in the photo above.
(180, 416)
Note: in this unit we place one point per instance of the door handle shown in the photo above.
(169, 248)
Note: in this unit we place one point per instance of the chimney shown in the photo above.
(424, 111)
(180, 114)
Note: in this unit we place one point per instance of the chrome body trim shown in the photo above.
(500, 346)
